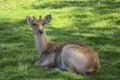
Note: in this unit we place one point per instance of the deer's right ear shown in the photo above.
(29, 20)
(47, 19)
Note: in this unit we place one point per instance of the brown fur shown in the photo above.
(73, 57)
(57, 49)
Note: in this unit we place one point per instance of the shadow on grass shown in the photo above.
(11, 32)
(109, 57)
(68, 34)
(45, 75)
(101, 7)
(13, 43)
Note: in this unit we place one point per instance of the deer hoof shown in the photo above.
(37, 63)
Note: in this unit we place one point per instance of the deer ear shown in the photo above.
(47, 19)
(29, 20)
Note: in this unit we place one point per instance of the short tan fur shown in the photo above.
(71, 57)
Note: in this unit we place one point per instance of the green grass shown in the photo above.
(93, 22)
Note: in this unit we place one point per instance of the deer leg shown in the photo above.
(71, 68)
(38, 63)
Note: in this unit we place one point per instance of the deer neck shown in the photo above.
(41, 42)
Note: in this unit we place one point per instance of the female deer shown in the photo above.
(72, 57)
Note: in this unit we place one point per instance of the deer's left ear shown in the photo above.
(47, 19)
(29, 20)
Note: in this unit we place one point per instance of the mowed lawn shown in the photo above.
(95, 23)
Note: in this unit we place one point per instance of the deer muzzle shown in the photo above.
(40, 31)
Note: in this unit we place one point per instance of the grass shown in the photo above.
(93, 22)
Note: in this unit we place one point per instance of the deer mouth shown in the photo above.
(40, 31)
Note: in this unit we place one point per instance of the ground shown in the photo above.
(95, 23)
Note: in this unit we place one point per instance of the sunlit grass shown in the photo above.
(94, 23)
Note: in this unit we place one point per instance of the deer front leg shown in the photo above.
(42, 63)
(47, 61)
(38, 63)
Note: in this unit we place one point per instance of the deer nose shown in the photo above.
(40, 31)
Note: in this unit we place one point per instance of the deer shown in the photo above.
(72, 57)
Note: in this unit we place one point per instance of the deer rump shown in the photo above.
(75, 58)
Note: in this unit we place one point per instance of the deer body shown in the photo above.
(72, 57)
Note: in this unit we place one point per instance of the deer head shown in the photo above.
(38, 24)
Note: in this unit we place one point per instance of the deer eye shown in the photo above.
(34, 24)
